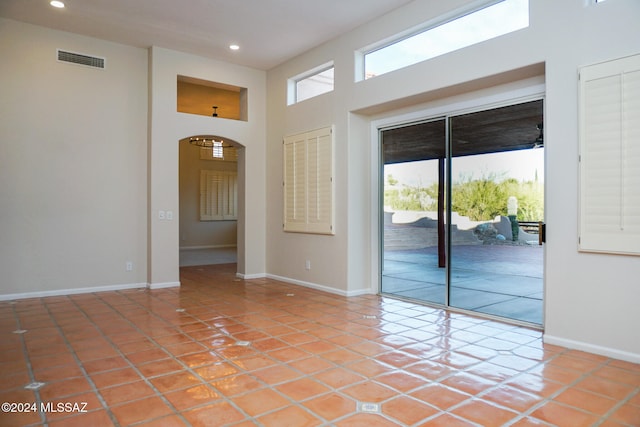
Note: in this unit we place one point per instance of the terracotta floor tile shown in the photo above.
(94, 418)
(408, 410)
(258, 402)
(535, 384)
(369, 391)
(107, 364)
(159, 367)
(585, 400)
(401, 381)
(311, 360)
(447, 420)
(170, 421)
(468, 383)
(115, 377)
(195, 360)
(483, 413)
(628, 414)
(140, 410)
(147, 356)
(175, 381)
(338, 377)
(366, 420)
(559, 414)
(64, 388)
(237, 384)
(440, 396)
(605, 387)
(222, 412)
(512, 398)
(331, 406)
(370, 368)
(253, 363)
(276, 374)
(302, 389)
(397, 358)
(292, 415)
(430, 370)
(191, 397)
(126, 392)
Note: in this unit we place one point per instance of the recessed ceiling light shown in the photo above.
(234, 47)
(57, 4)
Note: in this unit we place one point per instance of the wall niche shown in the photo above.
(196, 96)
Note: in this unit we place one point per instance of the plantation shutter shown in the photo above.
(218, 195)
(308, 182)
(610, 157)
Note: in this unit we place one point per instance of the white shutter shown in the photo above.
(308, 182)
(218, 195)
(610, 157)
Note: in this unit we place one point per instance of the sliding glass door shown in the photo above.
(462, 204)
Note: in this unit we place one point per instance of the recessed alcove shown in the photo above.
(196, 96)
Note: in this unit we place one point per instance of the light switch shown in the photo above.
(170, 215)
(161, 214)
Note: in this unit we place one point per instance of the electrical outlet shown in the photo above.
(170, 215)
(307, 265)
(129, 266)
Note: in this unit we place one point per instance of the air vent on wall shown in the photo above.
(80, 59)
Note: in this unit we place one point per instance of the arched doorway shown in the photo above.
(209, 208)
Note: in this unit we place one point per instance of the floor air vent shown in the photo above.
(80, 59)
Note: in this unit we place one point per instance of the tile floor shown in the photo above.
(220, 351)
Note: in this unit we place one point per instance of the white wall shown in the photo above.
(591, 299)
(168, 127)
(73, 146)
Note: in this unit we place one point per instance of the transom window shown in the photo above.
(465, 29)
(311, 83)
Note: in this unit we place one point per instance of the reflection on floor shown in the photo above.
(501, 280)
(220, 351)
(207, 256)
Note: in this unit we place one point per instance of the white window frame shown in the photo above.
(293, 96)
(430, 33)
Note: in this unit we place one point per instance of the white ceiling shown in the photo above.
(269, 32)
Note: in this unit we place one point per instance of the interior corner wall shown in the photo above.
(167, 127)
(73, 146)
(590, 299)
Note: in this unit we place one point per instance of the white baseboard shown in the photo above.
(251, 276)
(163, 285)
(320, 287)
(60, 292)
(592, 348)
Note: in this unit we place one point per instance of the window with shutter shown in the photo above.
(610, 157)
(218, 195)
(308, 182)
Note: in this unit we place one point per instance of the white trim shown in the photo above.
(592, 348)
(163, 285)
(61, 292)
(321, 287)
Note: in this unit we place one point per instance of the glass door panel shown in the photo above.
(413, 253)
(496, 182)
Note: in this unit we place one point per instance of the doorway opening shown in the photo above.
(463, 209)
(208, 194)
